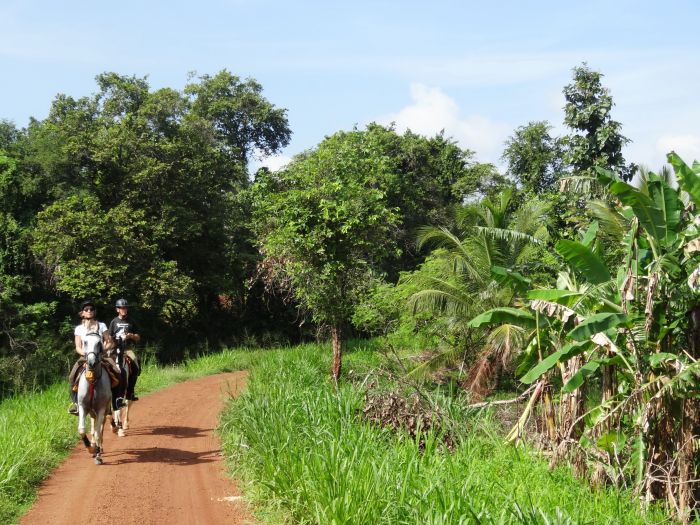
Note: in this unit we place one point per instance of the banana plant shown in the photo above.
(633, 336)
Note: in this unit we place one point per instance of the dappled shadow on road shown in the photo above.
(172, 431)
(170, 456)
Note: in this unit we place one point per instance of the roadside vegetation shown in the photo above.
(310, 455)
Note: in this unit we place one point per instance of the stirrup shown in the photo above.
(73, 409)
(119, 402)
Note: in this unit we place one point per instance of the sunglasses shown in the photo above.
(88, 309)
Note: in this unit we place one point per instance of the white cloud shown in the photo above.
(433, 111)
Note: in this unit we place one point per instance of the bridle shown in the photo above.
(93, 366)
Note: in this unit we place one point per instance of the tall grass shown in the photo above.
(303, 448)
(36, 433)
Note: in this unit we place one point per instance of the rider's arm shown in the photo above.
(79, 344)
(107, 341)
(133, 337)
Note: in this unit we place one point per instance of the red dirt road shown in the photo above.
(168, 469)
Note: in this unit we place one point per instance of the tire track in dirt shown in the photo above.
(169, 467)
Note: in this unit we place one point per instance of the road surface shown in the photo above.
(168, 469)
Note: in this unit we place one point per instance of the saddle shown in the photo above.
(113, 377)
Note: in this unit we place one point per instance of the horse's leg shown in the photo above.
(126, 409)
(98, 425)
(124, 413)
(81, 429)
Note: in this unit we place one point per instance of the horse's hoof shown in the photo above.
(98, 461)
(121, 433)
(126, 426)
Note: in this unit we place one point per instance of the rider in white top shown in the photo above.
(88, 325)
(83, 329)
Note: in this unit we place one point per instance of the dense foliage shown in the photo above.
(560, 264)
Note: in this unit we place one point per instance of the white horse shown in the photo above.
(94, 395)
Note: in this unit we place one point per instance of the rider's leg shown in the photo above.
(73, 385)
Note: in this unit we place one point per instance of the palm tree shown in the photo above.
(480, 271)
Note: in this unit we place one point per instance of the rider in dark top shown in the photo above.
(123, 330)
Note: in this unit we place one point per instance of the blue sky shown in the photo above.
(476, 69)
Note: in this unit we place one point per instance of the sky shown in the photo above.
(477, 70)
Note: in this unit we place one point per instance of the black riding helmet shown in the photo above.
(121, 303)
(88, 302)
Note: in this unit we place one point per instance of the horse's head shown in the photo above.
(92, 349)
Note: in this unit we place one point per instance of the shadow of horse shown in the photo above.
(173, 431)
(171, 456)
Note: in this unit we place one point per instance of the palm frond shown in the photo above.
(612, 223)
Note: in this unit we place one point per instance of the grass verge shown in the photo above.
(307, 457)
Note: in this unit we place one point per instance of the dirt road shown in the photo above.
(168, 469)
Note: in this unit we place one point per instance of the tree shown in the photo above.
(324, 226)
(161, 171)
(596, 140)
(424, 183)
(482, 269)
(534, 158)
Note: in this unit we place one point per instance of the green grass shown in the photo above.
(36, 433)
(307, 457)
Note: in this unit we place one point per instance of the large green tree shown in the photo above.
(324, 226)
(534, 158)
(157, 174)
(596, 140)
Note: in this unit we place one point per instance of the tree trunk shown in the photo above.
(549, 415)
(690, 426)
(337, 342)
(570, 422)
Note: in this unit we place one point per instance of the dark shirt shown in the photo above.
(120, 326)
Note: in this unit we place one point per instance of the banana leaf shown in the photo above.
(567, 352)
(650, 216)
(582, 258)
(598, 323)
(504, 315)
(687, 178)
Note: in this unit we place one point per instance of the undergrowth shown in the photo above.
(308, 456)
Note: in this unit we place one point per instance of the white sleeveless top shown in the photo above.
(82, 330)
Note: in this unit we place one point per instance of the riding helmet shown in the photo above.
(121, 303)
(87, 302)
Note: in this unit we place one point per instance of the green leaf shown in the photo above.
(582, 258)
(504, 315)
(655, 359)
(598, 323)
(590, 234)
(506, 276)
(688, 179)
(650, 217)
(563, 297)
(666, 199)
(567, 352)
(612, 441)
(580, 376)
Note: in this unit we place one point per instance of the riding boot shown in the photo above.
(73, 408)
